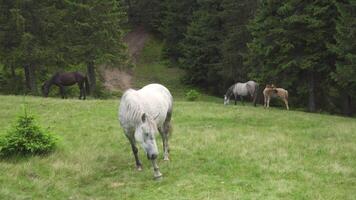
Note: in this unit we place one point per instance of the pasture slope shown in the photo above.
(217, 152)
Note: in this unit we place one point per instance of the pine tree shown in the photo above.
(176, 17)
(28, 36)
(289, 46)
(95, 34)
(345, 48)
(201, 45)
(147, 13)
(235, 16)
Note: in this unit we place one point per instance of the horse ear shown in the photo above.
(143, 117)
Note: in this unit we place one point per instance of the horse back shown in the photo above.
(241, 89)
(68, 78)
(282, 92)
(157, 95)
(154, 100)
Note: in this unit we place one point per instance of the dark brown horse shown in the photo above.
(62, 79)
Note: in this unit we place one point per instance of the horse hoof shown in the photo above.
(139, 168)
(157, 174)
(166, 159)
(158, 177)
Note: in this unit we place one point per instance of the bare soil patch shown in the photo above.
(120, 80)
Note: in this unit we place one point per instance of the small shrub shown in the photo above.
(26, 138)
(192, 95)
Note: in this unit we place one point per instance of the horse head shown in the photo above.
(145, 134)
(226, 100)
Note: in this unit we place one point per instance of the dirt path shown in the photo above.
(119, 80)
(135, 41)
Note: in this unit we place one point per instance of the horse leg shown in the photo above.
(156, 173)
(84, 93)
(164, 131)
(286, 102)
(134, 151)
(61, 89)
(80, 91)
(268, 100)
(264, 101)
(80, 85)
(235, 97)
(254, 98)
(242, 100)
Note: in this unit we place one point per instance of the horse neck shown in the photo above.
(132, 105)
(51, 81)
(229, 92)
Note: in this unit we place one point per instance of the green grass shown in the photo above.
(217, 152)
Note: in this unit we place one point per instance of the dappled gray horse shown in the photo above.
(142, 114)
(250, 88)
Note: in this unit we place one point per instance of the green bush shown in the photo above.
(192, 95)
(26, 138)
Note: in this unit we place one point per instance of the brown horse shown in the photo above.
(62, 79)
(272, 92)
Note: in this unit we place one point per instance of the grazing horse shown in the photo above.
(142, 114)
(272, 92)
(250, 88)
(62, 79)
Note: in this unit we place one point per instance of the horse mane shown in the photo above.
(131, 105)
(230, 91)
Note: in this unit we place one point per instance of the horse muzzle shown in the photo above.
(152, 156)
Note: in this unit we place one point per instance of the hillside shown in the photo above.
(217, 152)
(145, 52)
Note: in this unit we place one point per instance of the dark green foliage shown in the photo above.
(39, 38)
(26, 138)
(95, 35)
(147, 13)
(289, 47)
(201, 46)
(192, 95)
(28, 37)
(208, 39)
(177, 15)
(345, 49)
(235, 16)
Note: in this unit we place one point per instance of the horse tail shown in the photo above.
(168, 124)
(86, 85)
(255, 94)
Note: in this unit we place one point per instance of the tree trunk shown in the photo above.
(91, 76)
(347, 108)
(30, 77)
(311, 90)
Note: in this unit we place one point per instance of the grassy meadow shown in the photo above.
(217, 152)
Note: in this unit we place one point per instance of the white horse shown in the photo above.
(250, 88)
(142, 114)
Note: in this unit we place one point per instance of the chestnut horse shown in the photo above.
(272, 91)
